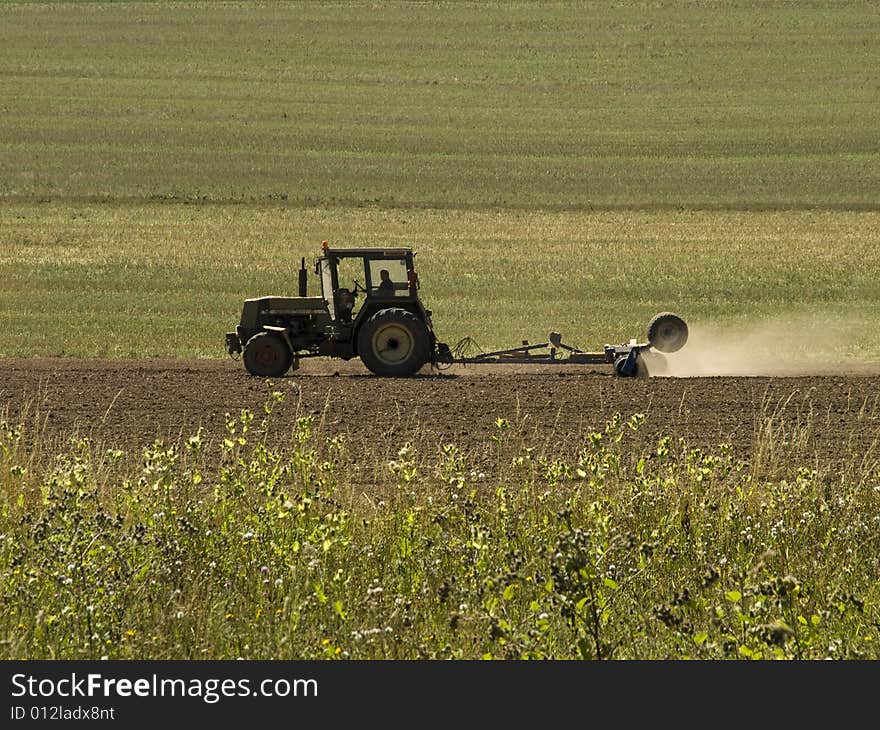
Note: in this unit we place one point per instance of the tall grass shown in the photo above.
(620, 551)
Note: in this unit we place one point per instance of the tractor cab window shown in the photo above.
(350, 274)
(388, 278)
(327, 286)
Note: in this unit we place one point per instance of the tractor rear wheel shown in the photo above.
(266, 355)
(393, 343)
(667, 332)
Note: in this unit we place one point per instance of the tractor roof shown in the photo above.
(375, 253)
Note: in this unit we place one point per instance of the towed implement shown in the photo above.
(391, 331)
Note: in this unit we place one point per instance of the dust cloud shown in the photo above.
(814, 344)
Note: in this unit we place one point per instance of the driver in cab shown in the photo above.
(386, 286)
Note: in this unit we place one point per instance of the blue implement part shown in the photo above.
(625, 365)
(626, 359)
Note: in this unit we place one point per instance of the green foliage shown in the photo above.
(622, 551)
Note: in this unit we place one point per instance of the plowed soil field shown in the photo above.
(130, 403)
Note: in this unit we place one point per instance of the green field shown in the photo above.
(718, 105)
(149, 279)
(568, 166)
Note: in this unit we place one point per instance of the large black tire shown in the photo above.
(667, 332)
(266, 355)
(393, 343)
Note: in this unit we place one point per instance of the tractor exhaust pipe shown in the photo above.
(303, 279)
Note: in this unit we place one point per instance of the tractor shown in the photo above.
(389, 329)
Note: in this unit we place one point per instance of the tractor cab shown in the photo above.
(355, 281)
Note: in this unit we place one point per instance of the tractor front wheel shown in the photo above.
(393, 343)
(266, 355)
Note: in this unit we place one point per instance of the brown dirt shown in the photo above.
(128, 403)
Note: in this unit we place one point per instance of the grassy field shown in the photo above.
(145, 279)
(583, 105)
(567, 166)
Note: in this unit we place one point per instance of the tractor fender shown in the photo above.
(285, 335)
(366, 312)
